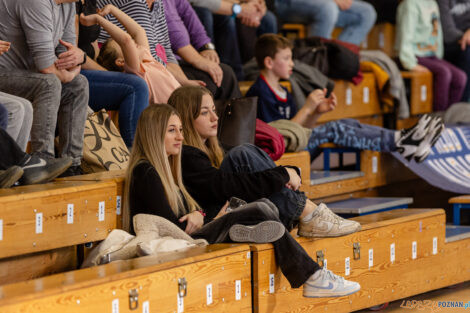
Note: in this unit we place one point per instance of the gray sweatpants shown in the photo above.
(20, 118)
(54, 104)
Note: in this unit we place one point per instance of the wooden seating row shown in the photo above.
(397, 254)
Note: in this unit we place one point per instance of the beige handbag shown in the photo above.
(103, 147)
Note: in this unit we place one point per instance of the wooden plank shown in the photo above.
(31, 266)
(429, 270)
(421, 97)
(55, 215)
(382, 37)
(300, 30)
(355, 100)
(246, 85)
(301, 160)
(104, 288)
(460, 199)
(367, 204)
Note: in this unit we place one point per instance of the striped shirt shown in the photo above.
(153, 21)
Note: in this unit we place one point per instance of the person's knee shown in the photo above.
(264, 211)
(327, 13)
(242, 151)
(229, 75)
(269, 23)
(444, 75)
(51, 83)
(368, 14)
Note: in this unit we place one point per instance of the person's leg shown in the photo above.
(249, 158)
(207, 20)
(3, 117)
(356, 21)
(352, 134)
(442, 77)
(127, 93)
(43, 91)
(20, 118)
(295, 263)
(461, 59)
(268, 24)
(457, 83)
(71, 118)
(10, 153)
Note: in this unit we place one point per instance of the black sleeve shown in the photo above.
(147, 195)
(208, 183)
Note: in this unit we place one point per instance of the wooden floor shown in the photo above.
(460, 292)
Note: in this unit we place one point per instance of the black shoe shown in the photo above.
(72, 171)
(38, 170)
(10, 176)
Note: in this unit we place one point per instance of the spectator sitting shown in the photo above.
(187, 37)
(355, 17)
(274, 57)
(130, 52)
(420, 49)
(15, 164)
(150, 15)
(59, 96)
(217, 16)
(110, 90)
(455, 19)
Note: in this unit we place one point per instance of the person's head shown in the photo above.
(197, 110)
(158, 140)
(274, 53)
(111, 56)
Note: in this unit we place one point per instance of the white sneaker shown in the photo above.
(264, 232)
(326, 284)
(325, 223)
(410, 141)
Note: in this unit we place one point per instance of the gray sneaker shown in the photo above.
(326, 284)
(10, 176)
(38, 170)
(325, 223)
(267, 231)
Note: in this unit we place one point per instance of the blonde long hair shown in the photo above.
(149, 145)
(187, 101)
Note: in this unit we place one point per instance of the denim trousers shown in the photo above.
(351, 134)
(3, 117)
(20, 118)
(10, 153)
(248, 158)
(450, 79)
(54, 105)
(296, 265)
(324, 15)
(461, 59)
(126, 93)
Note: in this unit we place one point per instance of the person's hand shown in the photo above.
(465, 40)
(250, 16)
(326, 104)
(70, 74)
(420, 69)
(70, 58)
(222, 211)
(89, 20)
(4, 46)
(213, 69)
(194, 220)
(294, 179)
(210, 55)
(107, 9)
(193, 82)
(344, 4)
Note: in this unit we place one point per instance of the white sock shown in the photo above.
(308, 217)
(315, 275)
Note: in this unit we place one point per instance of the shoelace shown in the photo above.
(329, 274)
(330, 216)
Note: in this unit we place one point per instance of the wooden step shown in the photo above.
(421, 260)
(217, 279)
(301, 160)
(294, 31)
(421, 91)
(355, 101)
(368, 205)
(322, 177)
(382, 37)
(246, 85)
(459, 203)
(64, 213)
(457, 232)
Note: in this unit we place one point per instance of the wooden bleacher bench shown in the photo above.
(294, 31)
(382, 37)
(368, 205)
(419, 257)
(421, 91)
(301, 160)
(215, 278)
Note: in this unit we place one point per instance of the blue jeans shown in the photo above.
(351, 134)
(324, 15)
(127, 93)
(249, 158)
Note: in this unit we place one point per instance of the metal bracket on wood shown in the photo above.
(357, 251)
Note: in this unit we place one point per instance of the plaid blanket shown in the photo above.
(448, 165)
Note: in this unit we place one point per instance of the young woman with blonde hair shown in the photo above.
(154, 186)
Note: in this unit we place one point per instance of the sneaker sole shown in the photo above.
(329, 295)
(44, 177)
(316, 235)
(13, 174)
(267, 231)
